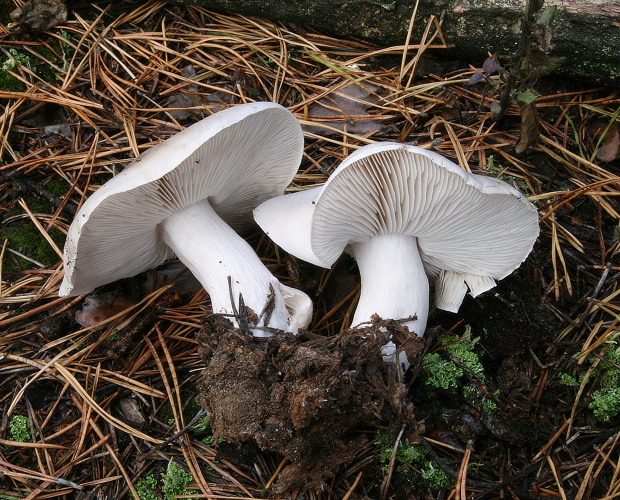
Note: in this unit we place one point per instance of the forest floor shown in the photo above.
(101, 396)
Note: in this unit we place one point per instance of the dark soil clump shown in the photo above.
(302, 395)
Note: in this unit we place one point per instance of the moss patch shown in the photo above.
(25, 238)
(56, 52)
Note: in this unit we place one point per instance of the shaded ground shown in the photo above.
(520, 399)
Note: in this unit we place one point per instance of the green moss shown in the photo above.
(457, 367)
(476, 395)
(210, 442)
(406, 452)
(39, 206)
(412, 464)
(606, 404)
(25, 238)
(202, 425)
(595, 70)
(29, 241)
(435, 476)
(9, 83)
(446, 374)
(57, 53)
(441, 373)
(57, 186)
(9, 64)
(568, 379)
(19, 428)
(146, 488)
(462, 349)
(176, 481)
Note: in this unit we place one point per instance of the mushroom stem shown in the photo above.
(213, 251)
(394, 283)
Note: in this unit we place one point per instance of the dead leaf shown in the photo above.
(346, 106)
(130, 411)
(478, 76)
(609, 148)
(172, 273)
(39, 15)
(182, 102)
(450, 110)
(490, 65)
(97, 308)
(530, 129)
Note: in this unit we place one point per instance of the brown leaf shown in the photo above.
(191, 97)
(530, 129)
(97, 308)
(609, 148)
(130, 411)
(348, 105)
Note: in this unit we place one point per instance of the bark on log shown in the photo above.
(586, 32)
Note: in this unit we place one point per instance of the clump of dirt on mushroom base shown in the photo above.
(287, 393)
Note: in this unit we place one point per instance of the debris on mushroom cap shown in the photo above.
(469, 228)
(236, 159)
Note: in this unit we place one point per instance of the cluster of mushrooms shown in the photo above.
(406, 214)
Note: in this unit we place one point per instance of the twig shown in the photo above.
(201, 413)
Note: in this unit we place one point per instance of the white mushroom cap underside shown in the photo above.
(463, 222)
(236, 158)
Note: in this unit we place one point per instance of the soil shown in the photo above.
(287, 393)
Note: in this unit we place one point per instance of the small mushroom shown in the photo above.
(406, 213)
(181, 197)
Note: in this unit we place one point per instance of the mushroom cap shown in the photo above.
(469, 228)
(236, 158)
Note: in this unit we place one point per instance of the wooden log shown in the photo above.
(586, 33)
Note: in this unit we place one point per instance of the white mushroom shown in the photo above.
(405, 213)
(181, 197)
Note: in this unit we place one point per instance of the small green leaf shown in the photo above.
(548, 15)
(552, 63)
(528, 97)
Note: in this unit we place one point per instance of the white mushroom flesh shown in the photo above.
(394, 283)
(213, 252)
